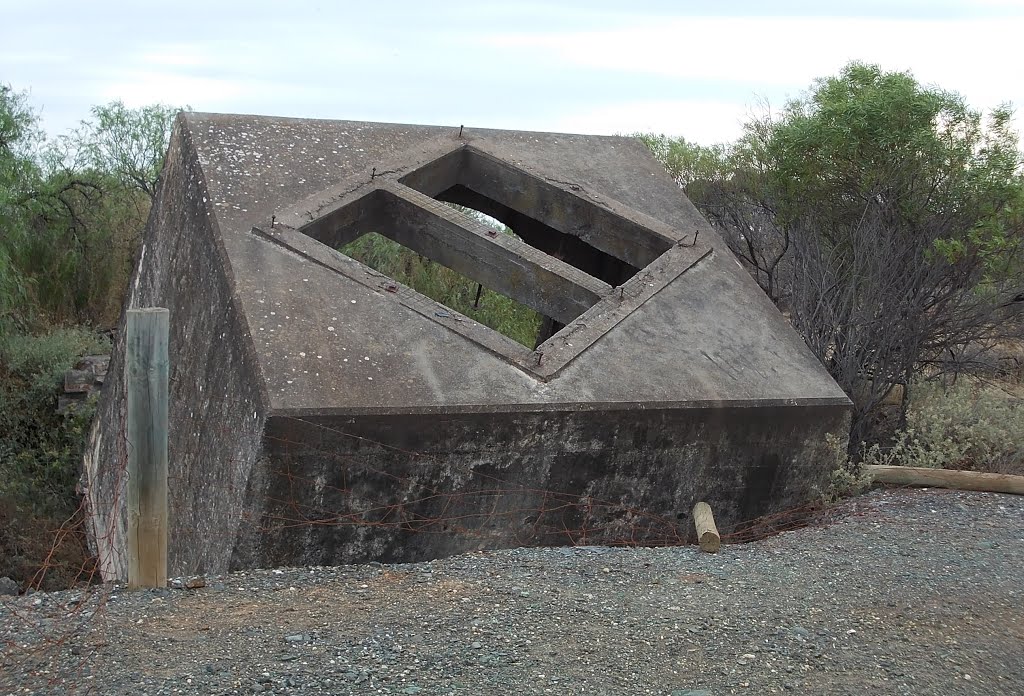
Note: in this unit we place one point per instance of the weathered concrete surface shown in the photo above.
(615, 476)
(217, 407)
(681, 382)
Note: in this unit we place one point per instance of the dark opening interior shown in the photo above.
(576, 231)
(564, 247)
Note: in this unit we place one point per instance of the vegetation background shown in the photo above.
(884, 217)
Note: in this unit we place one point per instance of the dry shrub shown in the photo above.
(968, 424)
(42, 553)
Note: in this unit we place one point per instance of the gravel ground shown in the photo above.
(904, 592)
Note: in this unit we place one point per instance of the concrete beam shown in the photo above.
(498, 261)
(562, 210)
(341, 224)
(440, 175)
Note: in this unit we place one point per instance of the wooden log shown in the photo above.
(707, 533)
(947, 478)
(147, 364)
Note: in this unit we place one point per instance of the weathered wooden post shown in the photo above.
(147, 362)
(707, 532)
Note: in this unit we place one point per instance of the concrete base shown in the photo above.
(415, 487)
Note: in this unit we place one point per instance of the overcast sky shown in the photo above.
(695, 69)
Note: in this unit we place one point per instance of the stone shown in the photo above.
(8, 587)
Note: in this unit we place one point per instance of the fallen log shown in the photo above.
(946, 478)
(707, 532)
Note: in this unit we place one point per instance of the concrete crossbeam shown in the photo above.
(562, 210)
(636, 242)
(341, 224)
(498, 261)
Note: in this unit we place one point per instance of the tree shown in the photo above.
(72, 209)
(19, 135)
(883, 215)
(130, 144)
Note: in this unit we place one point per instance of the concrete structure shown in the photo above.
(323, 413)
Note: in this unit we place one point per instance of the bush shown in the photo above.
(848, 477)
(961, 426)
(40, 453)
(885, 216)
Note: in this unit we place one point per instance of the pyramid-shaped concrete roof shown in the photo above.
(331, 335)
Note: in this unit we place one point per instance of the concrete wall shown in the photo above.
(414, 487)
(216, 412)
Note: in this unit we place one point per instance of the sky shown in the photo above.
(691, 69)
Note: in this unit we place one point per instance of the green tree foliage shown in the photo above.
(18, 175)
(870, 139)
(71, 215)
(72, 210)
(129, 144)
(501, 313)
(882, 214)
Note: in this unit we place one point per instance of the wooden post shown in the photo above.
(947, 478)
(147, 363)
(707, 532)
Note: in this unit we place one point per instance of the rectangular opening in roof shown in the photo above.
(477, 260)
(562, 224)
